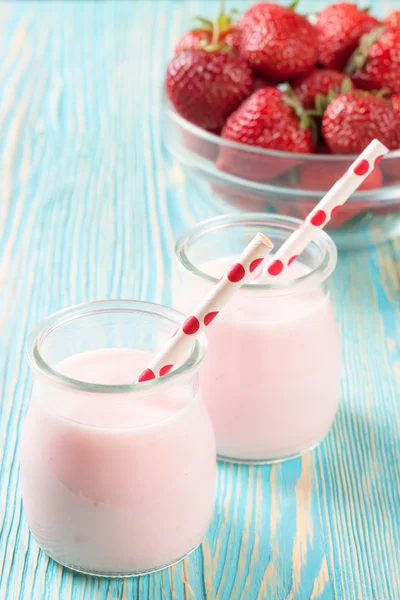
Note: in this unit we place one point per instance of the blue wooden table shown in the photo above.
(90, 202)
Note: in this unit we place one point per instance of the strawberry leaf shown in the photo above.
(315, 132)
(384, 94)
(346, 86)
(224, 21)
(305, 121)
(206, 23)
(290, 102)
(331, 95)
(320, 103)
(294, 4)
(358, 58)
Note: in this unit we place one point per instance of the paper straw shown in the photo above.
(178, 347)
(323, 211)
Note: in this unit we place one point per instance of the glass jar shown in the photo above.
(117, 478)
(271, 379)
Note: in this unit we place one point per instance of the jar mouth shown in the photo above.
(322, 242)
(39, 334)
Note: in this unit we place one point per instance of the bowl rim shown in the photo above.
(216, 139)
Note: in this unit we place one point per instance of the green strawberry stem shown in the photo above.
(358, 58)
(205, 23)
(305, 116)
(215, 32)
(218, 28)
(322, 102)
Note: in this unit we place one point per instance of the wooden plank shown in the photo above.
(90, 207)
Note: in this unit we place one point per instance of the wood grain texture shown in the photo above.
(90, 206)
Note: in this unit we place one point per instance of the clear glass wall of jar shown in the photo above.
(271, 379)
(116, 478)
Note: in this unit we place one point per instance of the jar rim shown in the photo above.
(59, 318)
(321, 240)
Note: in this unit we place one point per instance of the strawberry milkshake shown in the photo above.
(271, 380)
(117, 478)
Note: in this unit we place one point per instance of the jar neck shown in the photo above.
(226, 236)
(107, 324)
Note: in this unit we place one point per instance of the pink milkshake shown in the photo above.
(116, 478)
(271, 380)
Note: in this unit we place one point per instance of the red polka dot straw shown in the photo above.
(323, 211)
(180, 344)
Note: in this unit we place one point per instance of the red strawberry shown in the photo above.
(391, 165)
(277, 42)
(376, 65)
(320, 82)
(354, 119)
(396, 103)
(255, 201)
(203, 37)
(267, 121)
(319, 177)
(352, 208)
(233, 36)
(260, 84)
(193, 39)
(220, 31)
(393, 19)
(322, 148)
(340, 27)
(206, 87)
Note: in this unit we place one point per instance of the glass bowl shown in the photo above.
(257, 180)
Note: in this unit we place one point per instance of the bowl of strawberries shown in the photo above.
(267, 112)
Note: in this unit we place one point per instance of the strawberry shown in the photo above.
(396, 103)
(260, 84)
(255, 201)
(319, 177)
(277, 42)
(198, 38)
(322, 148)
(391, 165)
(220, 31)
(339, 28)
(351, 209)
(393, 19)
(205, 87)
(233, 36)
(320, 82)
(268, 120)
(193, 39)
(354, 119)
(376, 63)
(322, 179)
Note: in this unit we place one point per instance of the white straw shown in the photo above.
(323, 211)
(178, 347)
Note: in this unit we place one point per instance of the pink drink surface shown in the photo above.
(271, 378)
(113, 484)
